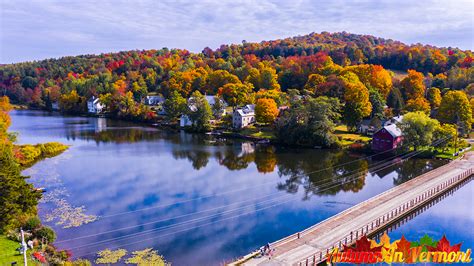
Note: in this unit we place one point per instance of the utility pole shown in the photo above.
(23, 246)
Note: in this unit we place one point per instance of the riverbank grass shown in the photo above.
(447, 153)
(28, 154)
(9, 253)
(258, 132)
(347, 138)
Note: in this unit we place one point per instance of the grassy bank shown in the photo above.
(9, 254)
(347, 138)
(27, 154)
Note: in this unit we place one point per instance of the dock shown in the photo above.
(310, 246)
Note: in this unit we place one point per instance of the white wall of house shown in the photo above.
(94, 106)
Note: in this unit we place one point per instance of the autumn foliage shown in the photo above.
(266, 110)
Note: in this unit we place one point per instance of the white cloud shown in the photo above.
(40, 29)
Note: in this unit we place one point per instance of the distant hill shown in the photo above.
(279, 64)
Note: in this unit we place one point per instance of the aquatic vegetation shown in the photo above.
(68, 216)
(146, 257)
(107, 256)
(143, 257)
(62, 212)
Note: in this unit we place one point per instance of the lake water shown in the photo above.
(199, 200)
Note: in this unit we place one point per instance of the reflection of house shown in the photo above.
(55, 106)
(100, 124)
(246, 148)
(186, 121)
(94, 105)
(154, 100)
(244, 116)
(387, 138)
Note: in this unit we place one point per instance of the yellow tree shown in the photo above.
(418, 104)
(455, 108)
(314, 80)
(434, 97)
(236, 94)
(278, 96)
(219, 78)
(72, 103)
(5, 121)
(266, 110)
(374, 76)
(357, 101)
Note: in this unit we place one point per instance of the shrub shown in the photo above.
(28, 154)
(32, 223)
(46, 233)
(52, 148)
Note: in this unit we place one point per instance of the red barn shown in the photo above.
(387, 138)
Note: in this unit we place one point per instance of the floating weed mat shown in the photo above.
(60, 211)
(68, 216)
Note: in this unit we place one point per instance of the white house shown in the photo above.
(153, 100)
(244, 116)
(186, 121)
(94, 106)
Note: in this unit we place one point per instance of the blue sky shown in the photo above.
(39, 29)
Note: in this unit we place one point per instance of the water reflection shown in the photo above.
(116, 167)
(412, 215)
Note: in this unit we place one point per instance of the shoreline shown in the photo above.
(360, 148)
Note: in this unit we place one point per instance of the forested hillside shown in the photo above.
(352, 68)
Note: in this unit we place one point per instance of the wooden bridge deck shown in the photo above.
(310, 246)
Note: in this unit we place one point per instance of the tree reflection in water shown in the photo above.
(317, 172)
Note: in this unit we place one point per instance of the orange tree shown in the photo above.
(266, 110)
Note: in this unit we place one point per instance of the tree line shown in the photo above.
(353, 73)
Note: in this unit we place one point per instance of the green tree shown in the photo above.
(309, 122)
(218, 107)
(32, 223)
(377, 102)
(456, 109)
(395, 100)
(45, 233)
(199, 112)
(418, 129)
(174, 106)
(17, 197)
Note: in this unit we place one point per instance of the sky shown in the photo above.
(40, 29)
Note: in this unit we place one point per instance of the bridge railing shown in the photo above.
(388, 217)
